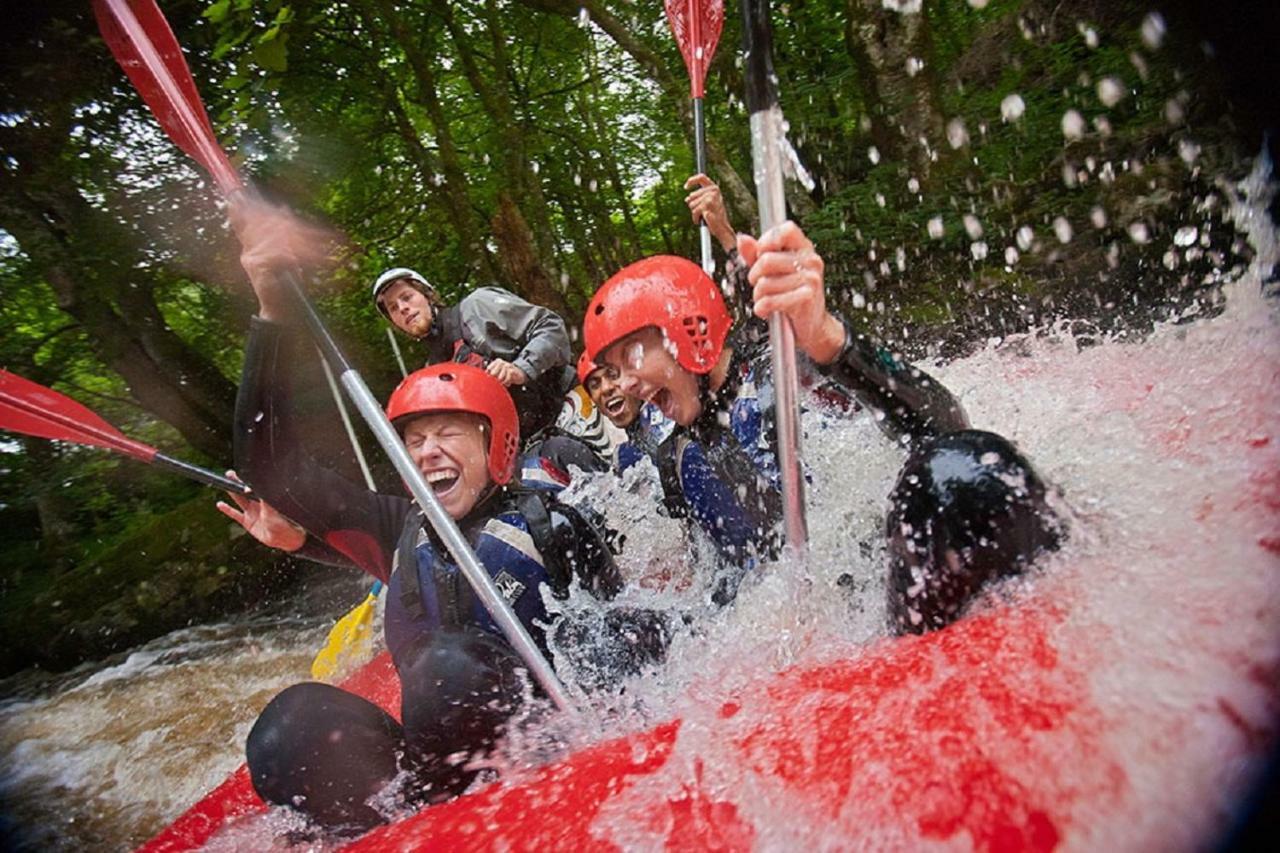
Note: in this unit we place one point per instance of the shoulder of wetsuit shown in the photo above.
(570, 543)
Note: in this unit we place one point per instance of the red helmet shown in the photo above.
(450, 387)
(586, 367)
(671, 293)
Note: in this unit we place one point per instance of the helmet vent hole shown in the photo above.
(599, 309)
(446, 377)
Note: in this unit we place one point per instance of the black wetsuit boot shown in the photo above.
(967, 509)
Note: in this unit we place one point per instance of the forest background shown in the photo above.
(982, 167)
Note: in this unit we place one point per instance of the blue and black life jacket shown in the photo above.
(527, 540)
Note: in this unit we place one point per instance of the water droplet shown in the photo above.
(1089, 33)
(957, 133)
(972, 226)
(913, 185)
(978, 250)
(873, 154)
(1139, 232)
(1098, 217)
(1062, 228)
(1110, 91)
(1072, 124)
(1012, 107)
(1186, 235)
(935, 228)
(1025, 238)
(1153, 30)
(1010, 256)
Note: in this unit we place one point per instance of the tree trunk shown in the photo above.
(906, 119)
(519, 261)
(535, 261)
(454, 182)
(97, 279)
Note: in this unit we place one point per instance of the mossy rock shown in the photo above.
(165, 572)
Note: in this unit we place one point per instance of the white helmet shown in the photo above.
(395, 274)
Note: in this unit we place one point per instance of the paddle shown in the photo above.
(140, 38)
(767, 140)
(33, 409)
(696, 25)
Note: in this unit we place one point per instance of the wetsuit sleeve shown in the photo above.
(536, 336)
(360, 525)
(913, 402)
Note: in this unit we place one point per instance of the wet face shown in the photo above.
(648, 370)
(451, 450)
(407, 307)
(606, 392)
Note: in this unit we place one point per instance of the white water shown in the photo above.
(1167, 454)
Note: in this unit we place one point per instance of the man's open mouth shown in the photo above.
(442, 481)
(614, 405)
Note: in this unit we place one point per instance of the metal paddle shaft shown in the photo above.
(360, 395)
(767, 132)
(700, 162)
(696, 25)
(144, 45)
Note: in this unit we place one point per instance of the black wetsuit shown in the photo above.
(967, 506)
(325, 751)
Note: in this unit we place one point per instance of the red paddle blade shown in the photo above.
(696, 25)
(33, 409)
(142, 42)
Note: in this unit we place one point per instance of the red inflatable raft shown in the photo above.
(945, 737)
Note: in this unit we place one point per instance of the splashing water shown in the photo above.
(1151, 657)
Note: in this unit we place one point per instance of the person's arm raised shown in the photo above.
(273, 238)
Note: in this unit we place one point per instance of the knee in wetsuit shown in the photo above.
(458, 689)
(967, 509)
(325, 752)
(565, 451)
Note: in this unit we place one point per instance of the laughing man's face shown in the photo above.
(451, 450)
(648, 370)
(603, 388)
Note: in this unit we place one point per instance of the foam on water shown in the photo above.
(108, 761)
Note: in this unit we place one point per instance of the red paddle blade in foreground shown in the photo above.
(696, 25)
(141, 41)
(33, 409)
